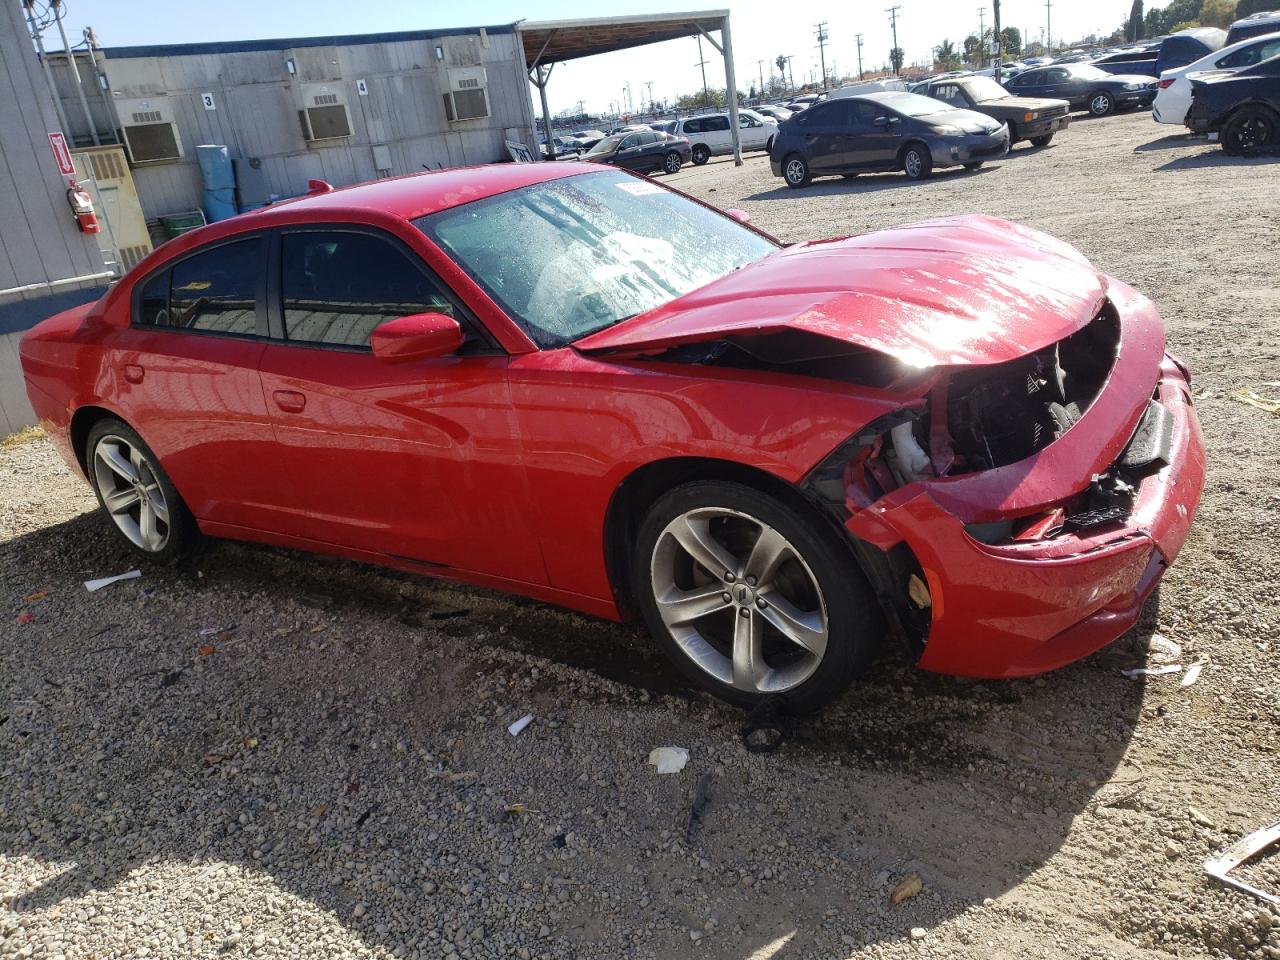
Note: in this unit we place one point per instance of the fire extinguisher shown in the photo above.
(82, 209)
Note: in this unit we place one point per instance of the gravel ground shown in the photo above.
(274, 755)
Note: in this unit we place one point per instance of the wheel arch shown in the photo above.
(1249, 105)
(913, 142)
(82, 422)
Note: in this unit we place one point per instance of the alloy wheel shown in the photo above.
(912, 163)
(673, 162)
(795, 171)
(739, 600)
(131, 493)
(1100, 105)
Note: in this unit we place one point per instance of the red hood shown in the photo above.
(965, 290)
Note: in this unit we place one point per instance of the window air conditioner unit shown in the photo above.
(468, 95)
(324, 113)
(150, 135)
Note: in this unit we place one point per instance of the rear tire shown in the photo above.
(700, 154)
(137, 495)
(1249, 130)
(672, 162)
(795, 170)
(800, 621)
(1042, 141)
(917, 161)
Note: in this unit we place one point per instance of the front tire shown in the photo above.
(701, 154)
(1101, 104)
(752, 597)
(672, 162)
(136, 494)
(1250, 129)
(795, 170)
(917, 162)
(1042, 141)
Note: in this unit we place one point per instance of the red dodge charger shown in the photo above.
(579, 385)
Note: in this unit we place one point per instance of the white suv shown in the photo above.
(710, 134)
(1173, 99)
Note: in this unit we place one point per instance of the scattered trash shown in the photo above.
(765, 729)
(213, 759)
(516, 809)
(908, 887)
(319, 811)
(1152, 671)
(92, 585)
(1200, 818)
(1253, 400)
(26, 616)
(207, 650)
(33, 597)
(919, 593)
(214, 631)
(1236, 854)
(250, 742)
(520, 724)
(669, 759)
(1193, 672)
(700, 798)
(1163, 649)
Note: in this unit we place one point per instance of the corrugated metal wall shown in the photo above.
(257, 102)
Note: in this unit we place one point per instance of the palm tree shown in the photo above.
(945, 54)
(782, 68)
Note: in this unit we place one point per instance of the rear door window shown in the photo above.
(216, 291)
(716, 123)
(693, 126)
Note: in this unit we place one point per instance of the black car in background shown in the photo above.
(883, 131)
(1166, 53)
(1028, 118)
(1084, 85)
(643, 151)
(1255, 25)
(1242, 109)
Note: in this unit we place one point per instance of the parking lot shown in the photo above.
(267, 754)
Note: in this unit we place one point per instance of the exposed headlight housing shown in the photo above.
(946, 130)
(1133, 86)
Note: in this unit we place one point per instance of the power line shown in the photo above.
(858, 37)
(821, 33)
(893, 22)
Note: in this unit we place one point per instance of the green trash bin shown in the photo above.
(175, 225)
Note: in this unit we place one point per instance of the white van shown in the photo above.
(710, 134)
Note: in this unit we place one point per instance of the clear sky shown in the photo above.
(761, 31)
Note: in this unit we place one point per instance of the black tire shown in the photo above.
(1101, 103)
(1249, 130)
(976, 165)
(855, 624)
(917, 161)
(768, 145)
(1013, 132)
(672, 162)
(1042, 141)
(700, 154)
(182, 535)
(795, 170)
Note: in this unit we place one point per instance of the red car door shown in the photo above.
(185, 375)
(419, 460)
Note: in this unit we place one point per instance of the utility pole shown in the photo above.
(649, 84)
(821, 34)
(702, 62)
(760, 67)
(858, 37)
(982, 36)
(1048, 25)
(791, 74)
(893, 22)
(995, 34)
(75, 74)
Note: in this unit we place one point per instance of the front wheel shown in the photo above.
(917, 162)
(795, 170)
(753, 598)
(1042, 141)
(672, 162)
(1249, 130)
(701, 154)
(135, 492)
(1101, 103)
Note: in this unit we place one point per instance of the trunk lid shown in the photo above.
(961, 291)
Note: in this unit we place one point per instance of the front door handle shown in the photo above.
(133, 372)
(290, 401)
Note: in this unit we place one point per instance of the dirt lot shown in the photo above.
(273, 755)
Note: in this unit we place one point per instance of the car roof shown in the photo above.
(418, 194)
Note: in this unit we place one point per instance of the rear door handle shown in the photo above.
(290, 401)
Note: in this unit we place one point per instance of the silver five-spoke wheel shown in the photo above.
(739, 600)
(131, 492)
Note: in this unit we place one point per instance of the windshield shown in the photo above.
(984, 89)
(607, 145)
(1087, 71)
(572, 256)
(914, 105)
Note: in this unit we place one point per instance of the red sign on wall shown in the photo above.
(61, 154)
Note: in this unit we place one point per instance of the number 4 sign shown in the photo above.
(207, 100)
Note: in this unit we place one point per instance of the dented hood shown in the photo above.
(966, 290)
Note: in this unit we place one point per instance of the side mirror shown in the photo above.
(740, 215)
(416, 337)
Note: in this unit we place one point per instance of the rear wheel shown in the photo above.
(795, 170)
(753, 598)
(1250, 129)
(1042, 141)
(135, 492)
(672, 162)
(701, 154)
(1101, 103)
(917, 162)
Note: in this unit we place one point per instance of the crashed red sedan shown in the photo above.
(581, 386)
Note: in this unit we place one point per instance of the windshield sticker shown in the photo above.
(639, 189)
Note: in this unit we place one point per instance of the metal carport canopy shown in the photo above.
(548, 42)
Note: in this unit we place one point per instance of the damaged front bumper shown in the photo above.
(1019, 608)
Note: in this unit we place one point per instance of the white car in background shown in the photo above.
(1173, 99)
(710, 134)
